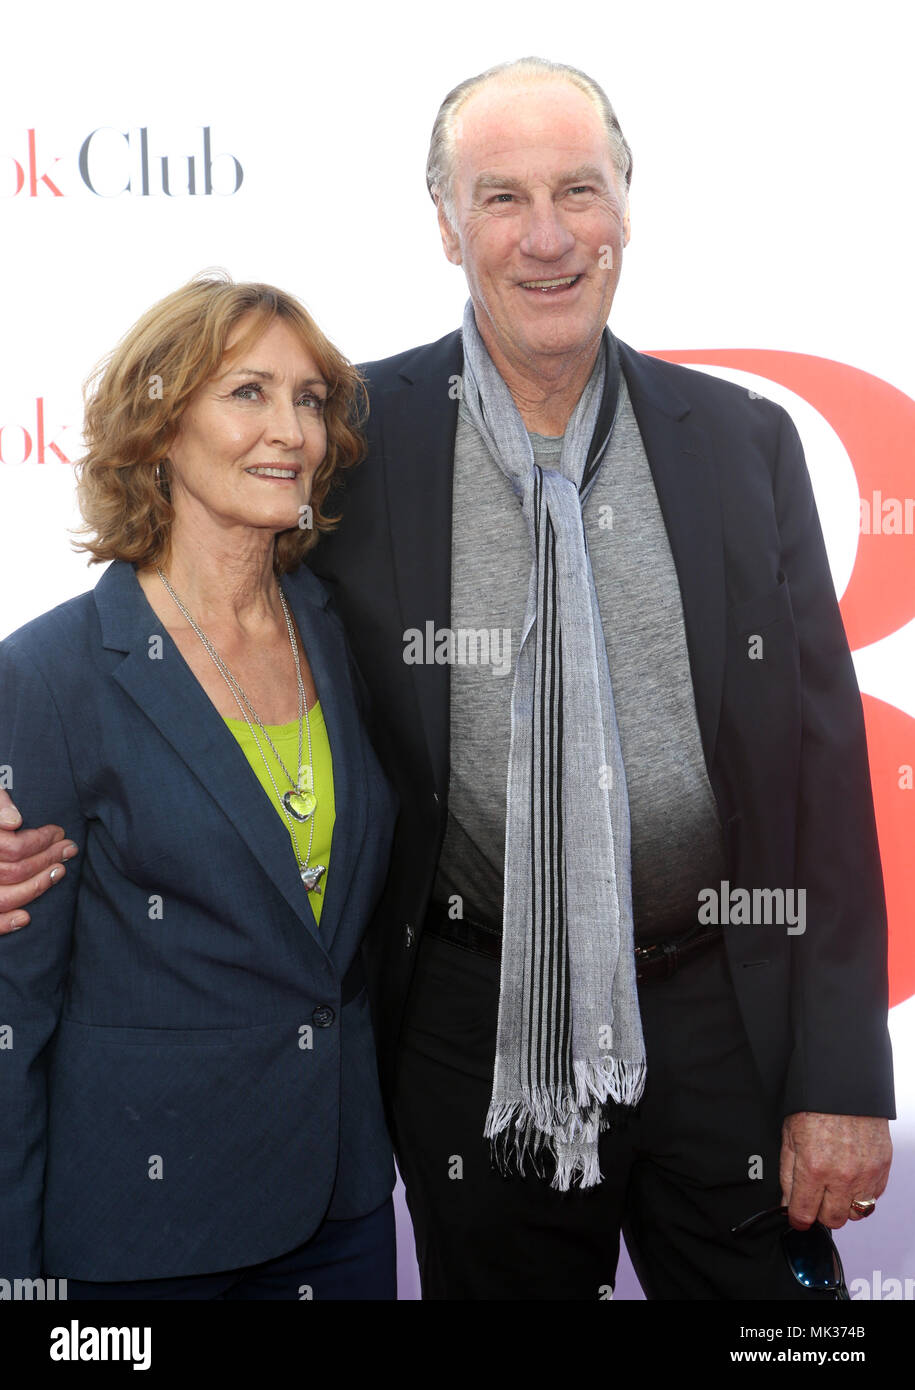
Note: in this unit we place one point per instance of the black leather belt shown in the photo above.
(464, 931)
(657, 961)
(662, 959)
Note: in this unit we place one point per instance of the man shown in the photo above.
(681, 738)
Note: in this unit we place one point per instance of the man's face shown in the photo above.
(540, 221)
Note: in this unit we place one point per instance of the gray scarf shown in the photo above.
(569, 1039)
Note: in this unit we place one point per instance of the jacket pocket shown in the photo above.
(754, 614)
(166, 1037)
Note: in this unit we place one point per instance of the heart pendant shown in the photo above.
(310, 877)
(300, 804)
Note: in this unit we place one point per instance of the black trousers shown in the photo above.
(698, 1156)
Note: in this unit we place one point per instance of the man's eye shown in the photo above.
(502, 196)
(581, 188)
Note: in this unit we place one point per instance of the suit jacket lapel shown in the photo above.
(687, 492)
(324, 641)
(419, 423)
(174, 701)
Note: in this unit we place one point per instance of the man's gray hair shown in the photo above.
(440, 164)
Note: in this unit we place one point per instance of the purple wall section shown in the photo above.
(407, 1272)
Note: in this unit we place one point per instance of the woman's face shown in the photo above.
(251, 438)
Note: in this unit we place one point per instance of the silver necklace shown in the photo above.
(299, 802)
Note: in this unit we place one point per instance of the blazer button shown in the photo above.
(409, 936)
(323, 1016)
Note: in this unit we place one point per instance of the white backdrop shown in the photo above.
(772, 208)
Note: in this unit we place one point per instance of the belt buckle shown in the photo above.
(666, 951)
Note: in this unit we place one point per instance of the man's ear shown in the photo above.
(450, 239)
(627, 228)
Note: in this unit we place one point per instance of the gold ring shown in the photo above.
(864, 1205)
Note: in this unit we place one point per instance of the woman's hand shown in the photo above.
(30, 862)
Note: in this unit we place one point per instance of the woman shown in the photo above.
(190, 1101)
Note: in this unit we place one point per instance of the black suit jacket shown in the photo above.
(783, 736)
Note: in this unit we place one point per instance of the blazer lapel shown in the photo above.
(172, 698)
(687, 491)
(325, 643)
(418, 425)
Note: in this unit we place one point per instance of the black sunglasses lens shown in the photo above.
(812, 1258)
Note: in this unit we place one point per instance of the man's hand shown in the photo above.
(828, 1161)
(30, 861)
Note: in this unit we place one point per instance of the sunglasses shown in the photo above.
(811, 1255)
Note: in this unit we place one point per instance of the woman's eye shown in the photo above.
(251, 390)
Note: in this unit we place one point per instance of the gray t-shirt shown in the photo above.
(676, 839)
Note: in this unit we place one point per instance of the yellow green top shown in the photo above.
(286, 738)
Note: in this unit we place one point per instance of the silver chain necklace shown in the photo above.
(300, 802)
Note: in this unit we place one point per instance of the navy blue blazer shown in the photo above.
(783, 737)
(188, 1079)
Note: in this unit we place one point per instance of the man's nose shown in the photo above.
(545, 235)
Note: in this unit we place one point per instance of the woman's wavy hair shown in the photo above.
(136, 396)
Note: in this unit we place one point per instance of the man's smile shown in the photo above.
(559, 284)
